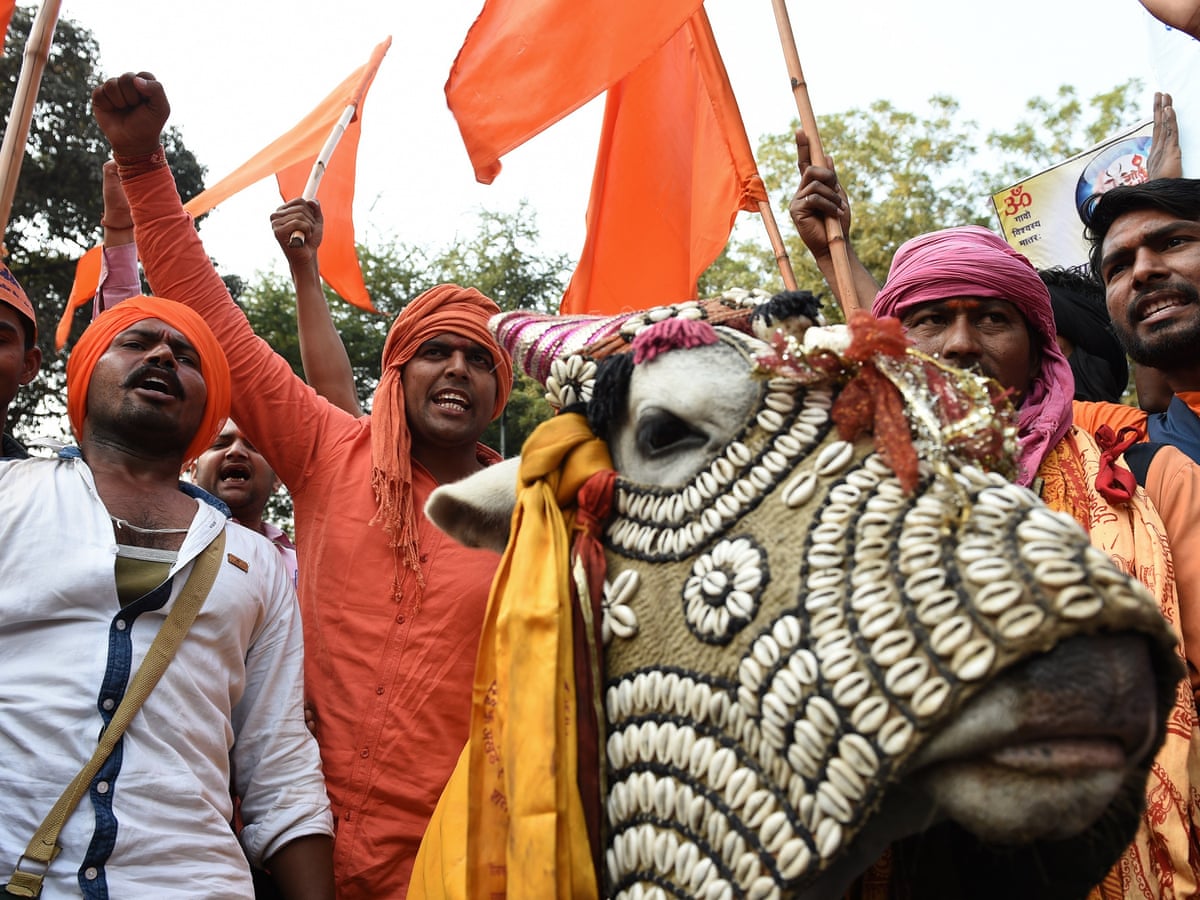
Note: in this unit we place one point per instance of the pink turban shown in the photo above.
(445, 308)
(98, 336)
(973, 262)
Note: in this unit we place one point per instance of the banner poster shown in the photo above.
(1039, 216)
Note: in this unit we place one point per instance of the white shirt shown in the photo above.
(156, 820)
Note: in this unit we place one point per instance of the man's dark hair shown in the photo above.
(1097, 360)
(1178, 196)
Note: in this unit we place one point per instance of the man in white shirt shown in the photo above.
(95, 546)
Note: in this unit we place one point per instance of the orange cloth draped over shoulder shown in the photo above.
(441, 309)
(510, 821)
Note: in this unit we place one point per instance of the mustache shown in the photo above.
(1183, 288)
(165, 375)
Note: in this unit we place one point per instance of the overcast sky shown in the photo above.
(238, 74)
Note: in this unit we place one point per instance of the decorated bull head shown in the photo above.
(818, 642)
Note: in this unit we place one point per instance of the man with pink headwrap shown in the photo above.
(964, 295)
(392, 607)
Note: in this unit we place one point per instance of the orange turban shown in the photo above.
(442, 309)
(96, 339)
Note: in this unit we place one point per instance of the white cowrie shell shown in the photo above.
(995, 598)
(803, 664)
(775, 831)
(779, 401)
(1021, 621)
(822, 714)
(869, 715)
(930, 697)
(738, 453)
(950, 634)
(988, 570)
(906, 676)
(723, 470)
(766, 651)
(829, 838)
(894, 736)
(1078, 602)
(974, 659)
(788, 445)
(892, 646)
(849, 691)
(859, 754)
(763, 888)
(843, 776)
(795, 858)
(759, 805)
(787, 630)
(685, 860)
(769, 420)
(831, 802)
(834, 457)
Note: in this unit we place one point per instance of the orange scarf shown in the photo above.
(442, 309)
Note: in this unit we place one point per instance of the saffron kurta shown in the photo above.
(389, 680)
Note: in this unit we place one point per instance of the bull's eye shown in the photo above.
(660, 432)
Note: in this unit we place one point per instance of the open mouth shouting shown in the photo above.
(452, 400)
(155, 380)
(234, 473)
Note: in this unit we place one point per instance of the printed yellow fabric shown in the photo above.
(1163, 860)
(510, 821)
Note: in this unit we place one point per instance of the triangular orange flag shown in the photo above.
(527, 63)
(87, 278)
(673, 169)
(294, 152)
(7, 8)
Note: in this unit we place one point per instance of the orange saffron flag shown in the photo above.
(290, 158)
(7, 8)
(527, 63)
(673, 169)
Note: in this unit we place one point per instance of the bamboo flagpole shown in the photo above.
(318, 170)
(33, 64)
(781, 255)
(808, 121)
(296, 239)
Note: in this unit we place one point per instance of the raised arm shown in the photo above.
(818, 197)
(118, 266)
(283, 417)
(322, 353)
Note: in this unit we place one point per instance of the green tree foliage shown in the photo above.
(500, 259)
(907, 173)
(56, 210)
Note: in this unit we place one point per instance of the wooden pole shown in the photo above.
(781, 255)
(808, 121)
(33, 64)
(296, 239)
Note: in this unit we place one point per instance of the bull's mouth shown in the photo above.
(1042, 754)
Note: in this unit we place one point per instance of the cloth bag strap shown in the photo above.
(43, 848)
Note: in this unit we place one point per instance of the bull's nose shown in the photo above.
(1090, 686)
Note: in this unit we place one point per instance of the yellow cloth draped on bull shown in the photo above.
(524, 834)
